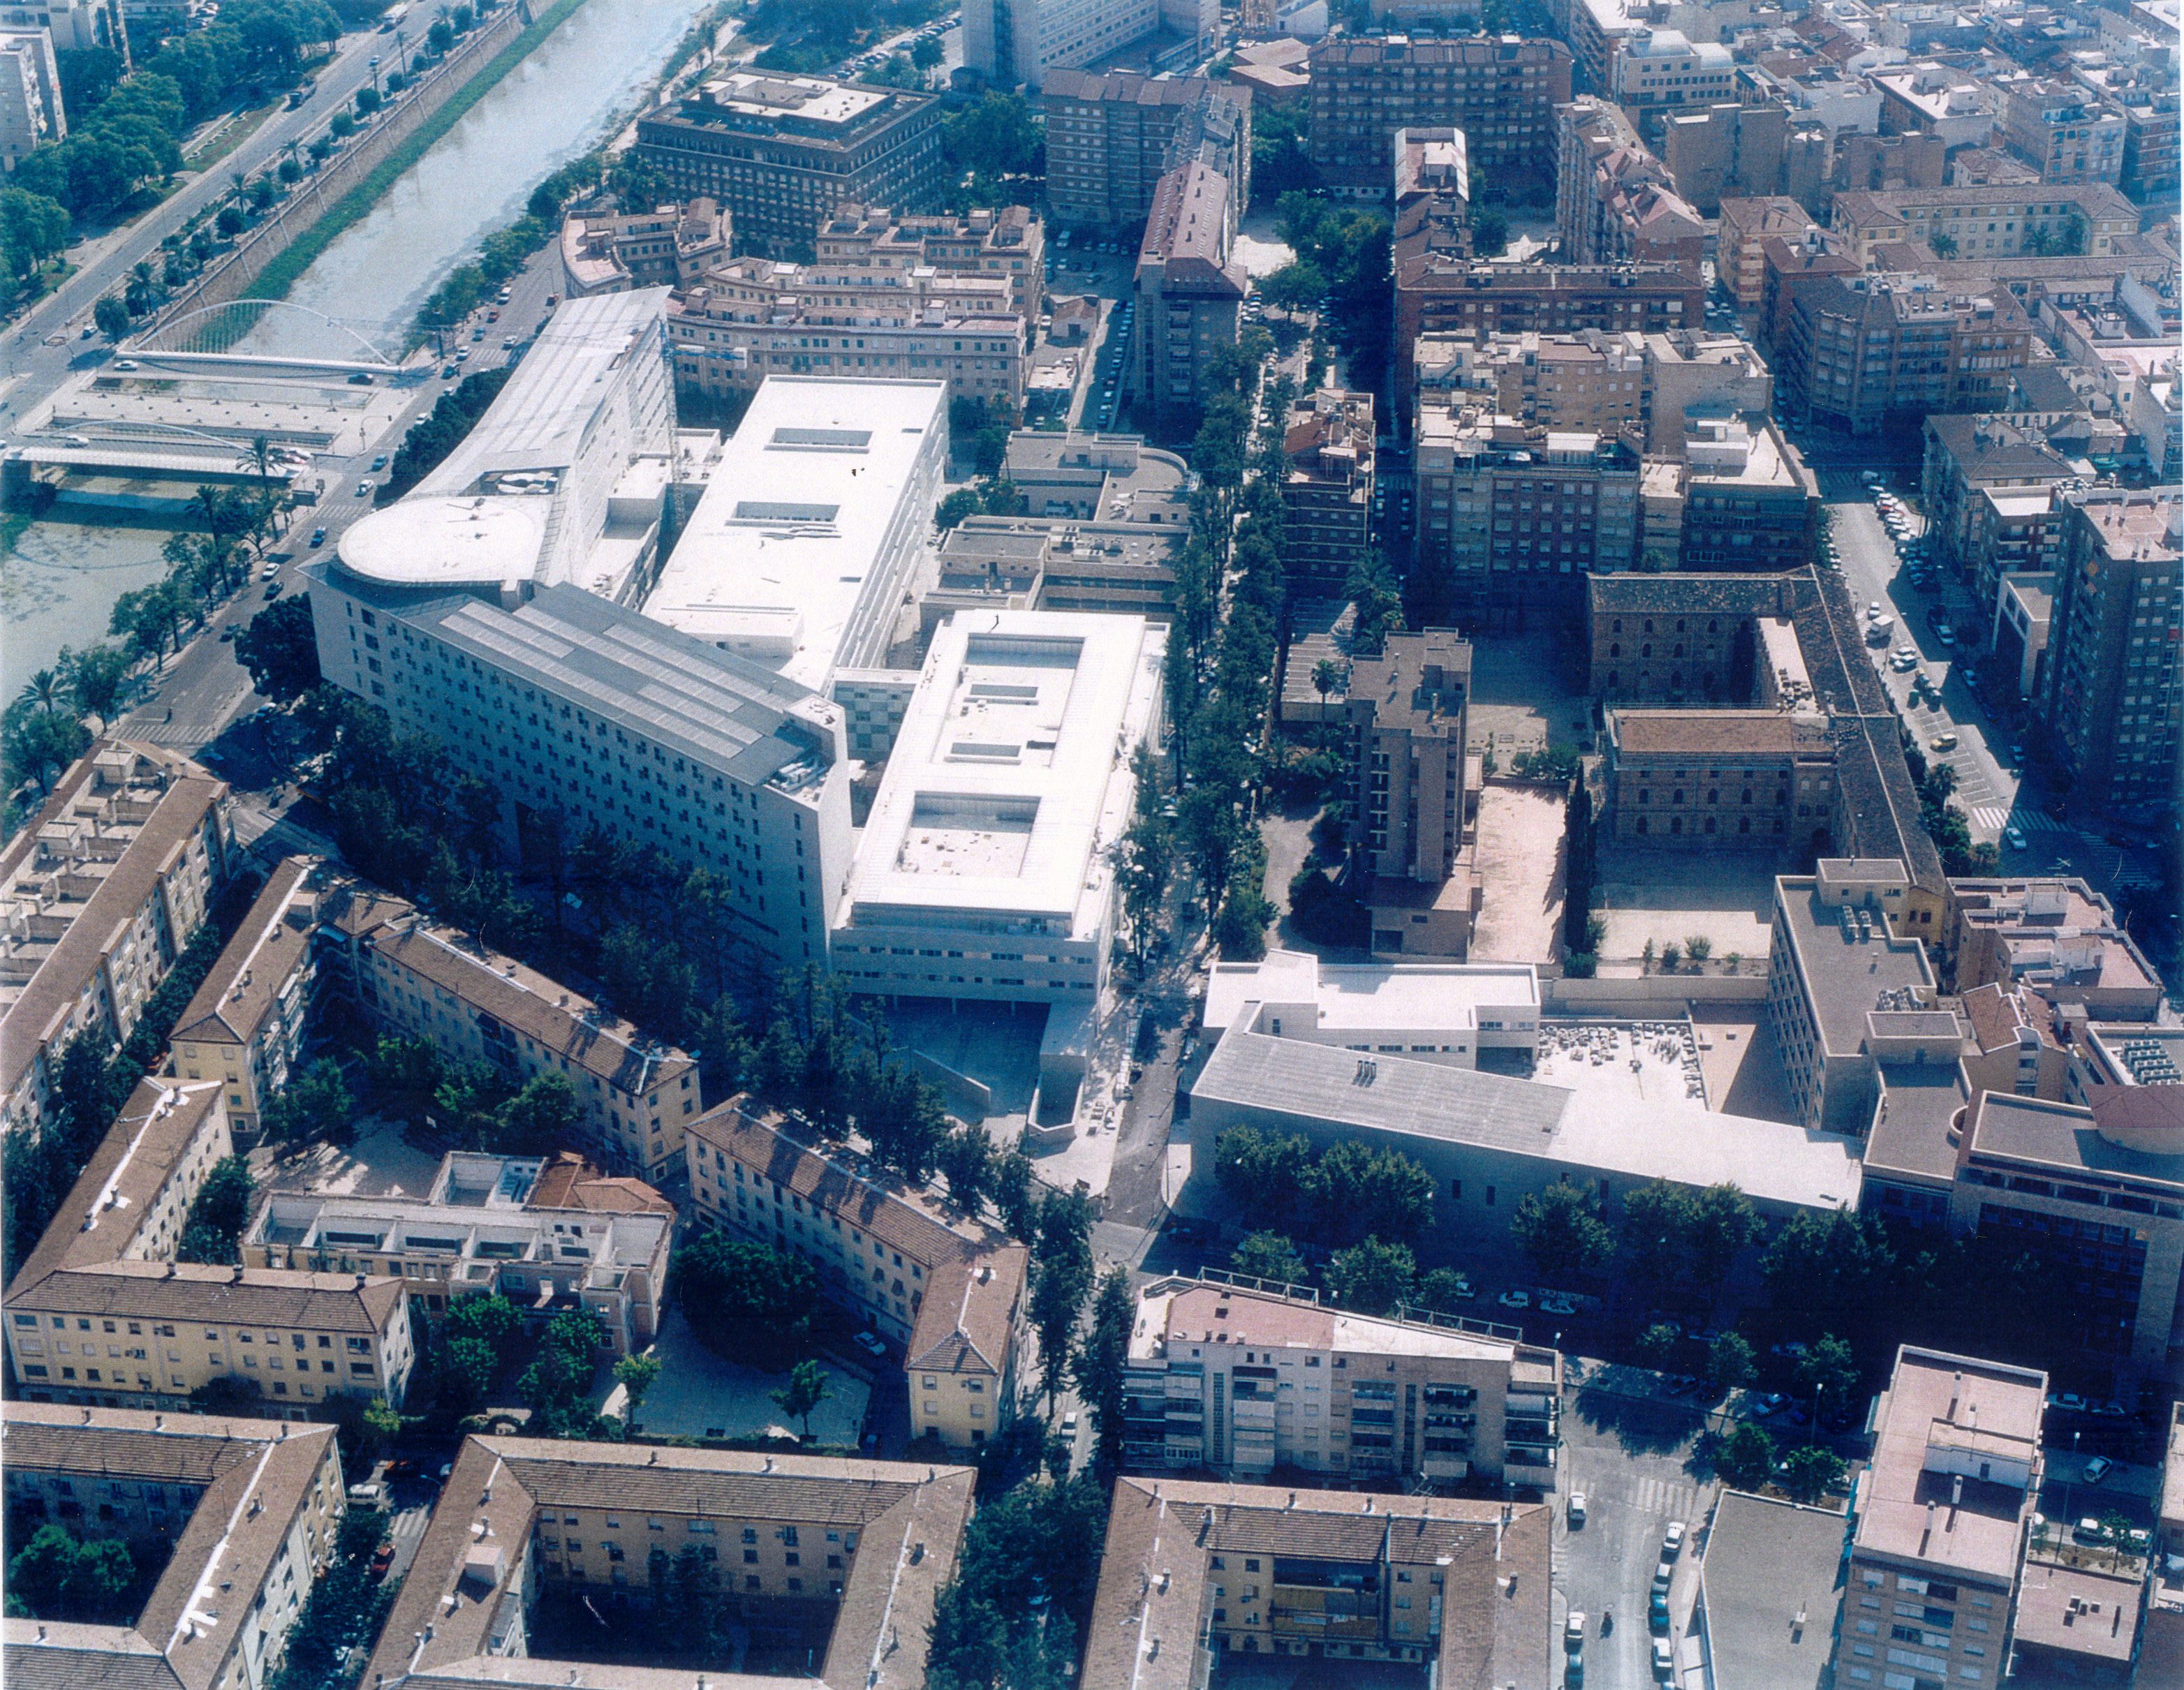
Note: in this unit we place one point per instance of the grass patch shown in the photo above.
(274, 281)
(231, 135)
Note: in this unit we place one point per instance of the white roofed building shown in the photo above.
(1429, 1012)
(984, 871)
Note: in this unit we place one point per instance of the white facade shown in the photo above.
(1020, 41)
(801, 553)
(30, 95)
(984, 868)
(1431, 1012)
(564, 478)
(573, 705)
(1664, 68)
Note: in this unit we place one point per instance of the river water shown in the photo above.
(59, 580)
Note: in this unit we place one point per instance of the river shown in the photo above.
(60, 579)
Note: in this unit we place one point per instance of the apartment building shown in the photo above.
(1189, 288)
(1615, 201)
(1742, 225)
(1195, 1573)
(548, 1233)
(245, 1027)
(1242, 1377)
(2014, 1043)
(1725, 150)
(1952, 106)
(754, 319)
(2055, 935)
(2114, 692)
(1125, 568)
(101, 891)
(413, 977)
(1326, 485)
(1502, 92)
(1788, 270)
(877, 243)
(574, 705)
(1748, 504)
(1111, 136)
(836, 1564)
(1439, 290)
(780, 153)
(671, 246)
(1028, 41)
(945, 1289)
(1431, 1012)
(1842, 986)
(31, 112)
(2067, 133)
(260, 1501)
(1710, 778)
(1987, 221)
(1870, 350)
(1658, 71)
(2093, 1190)
(1940, 1521)
(1970, 458)
(1588, 380)
(1517, 513)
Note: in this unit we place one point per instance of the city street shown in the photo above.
(1628, 1448)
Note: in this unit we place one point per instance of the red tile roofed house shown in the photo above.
(1197, 1574)
(949, 1290)
(99, 893)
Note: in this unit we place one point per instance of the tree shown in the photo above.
(637, 1374)
(1262, 1174)
(1490, 234)
(1326, 676)
(1101, 1357)
(1269, 1255)
(1656, 1223)
(1729, 1362)
(314, 1104)
(927, 55)
(1657, 1346)
(280, 650)
(1828, 1373)
(467, 1367)
(1744, 1456)
(540, 1118)
(745, 1300)
(1828, 1271)
(1444, 1290)
(1297, 285)
(1062, 1274)
(1810, 1472)
(1012, 1181)
(213, 1230)
(112, 317)
(56, 1577)
(1561, 1231)
(1373, 1277)
(557, 1383)
(491, 1320)
(965, 1158)
(1357, 1191)
(96, 679)
(1720, 1223)
(805, 1390)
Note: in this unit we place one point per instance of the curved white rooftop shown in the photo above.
(424, 541)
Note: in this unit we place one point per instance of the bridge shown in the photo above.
(219, 337)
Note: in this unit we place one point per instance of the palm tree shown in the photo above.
(44, 690)
(1326, 676)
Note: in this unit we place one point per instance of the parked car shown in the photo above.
(1558, 1305)
(1069, 1424)
(2098, 1469)
(318, 537)
(870, 1344)
(1515, 1299)
(2014, 836)
(1789, 1351)
(1577, 1507)
(1672, 1540)
(1657, 1611)
(379, 461)
(1665, 1660)
(272, 589)
(1573, 1630)
(1942, 741)
(1771, 1402)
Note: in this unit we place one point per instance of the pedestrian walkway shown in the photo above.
(1999, 816)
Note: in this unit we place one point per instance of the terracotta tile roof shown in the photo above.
(230, 1004)
(569, 1181)
(242, 1297)
(43, 1656)
(1705, 733)
(910, 1519)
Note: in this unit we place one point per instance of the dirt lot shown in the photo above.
(1519, 858)
(1670, 896)
(1521, 698)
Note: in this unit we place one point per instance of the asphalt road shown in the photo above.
(46, 346)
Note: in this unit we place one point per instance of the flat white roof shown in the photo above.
(483, 514)
(1011, 773)
(782, 551)
(1436, 995)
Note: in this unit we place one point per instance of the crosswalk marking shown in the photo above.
(2031, 820)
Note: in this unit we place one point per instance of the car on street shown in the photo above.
(227, 635)
(2098, 1469)
(1771, 1402)
(318, 537)
(1904, 662)
(272, 589)
(1577, 1507)
(1069, 1424)
(382, 1559)
(1672, 1540)
(379, 461)
(2014, 836)
(870, 1344)
(1665, 1660)
(364, 490)
(1515, 1299)
(1681, 1383)
(1789, 1352)
(1657, 1611)
(1573, 1630)
(1558, 1305)
(1942, 741)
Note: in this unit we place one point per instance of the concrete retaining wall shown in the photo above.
(231, 278)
